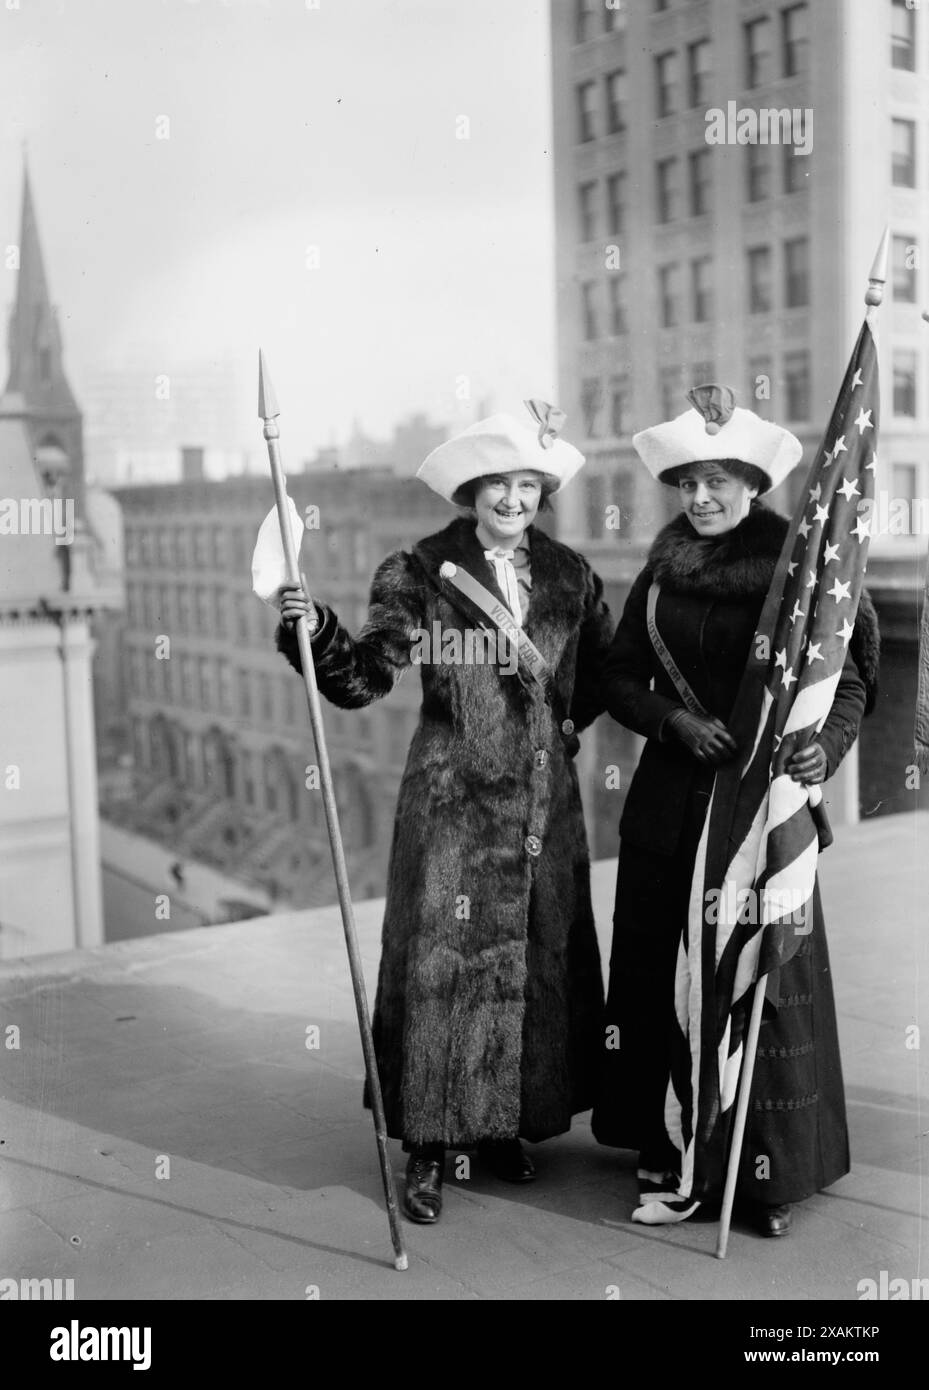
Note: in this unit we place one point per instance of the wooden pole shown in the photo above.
(268, 411)
(877, 277)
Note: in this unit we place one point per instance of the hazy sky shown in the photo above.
(292, 127)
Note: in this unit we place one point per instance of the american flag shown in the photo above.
(756, 861)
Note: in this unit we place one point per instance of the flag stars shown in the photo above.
(804, 528)
(846, 631)
(861, 529)
(788, 678)
(814, 653)
(849, 489)
(856, 379)
(797, 612)
(791, 566)
(811, 582)
(840, 591)
(872, 466)
(832, 553)
(816, 492)
(822, 515)
(839, 447)
(863, 421)
(780, 659)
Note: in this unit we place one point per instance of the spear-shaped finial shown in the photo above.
(268, 408)
(878, 274)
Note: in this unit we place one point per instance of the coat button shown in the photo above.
(541, 757)
(568, 727)
(533, 845)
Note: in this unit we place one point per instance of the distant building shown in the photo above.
(680, 261)
(50, 898)
(219, 728)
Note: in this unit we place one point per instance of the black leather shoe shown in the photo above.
(422, 1197)
(507, 1159)
(774, 1221)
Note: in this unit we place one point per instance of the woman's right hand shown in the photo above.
(294, 605)
(707, 738)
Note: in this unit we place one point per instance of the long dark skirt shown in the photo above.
(797, 1117)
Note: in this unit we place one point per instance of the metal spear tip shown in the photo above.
(268, 408)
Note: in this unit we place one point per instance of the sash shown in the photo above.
(530, 658)
(665, 657)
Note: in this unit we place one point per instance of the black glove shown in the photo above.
(708, 739)
(808, 765)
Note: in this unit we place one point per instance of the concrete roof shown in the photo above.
(193, 1046)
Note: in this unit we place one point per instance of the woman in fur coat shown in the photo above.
(488, 1017)
(713, 566)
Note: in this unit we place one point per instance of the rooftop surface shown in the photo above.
(167, 1133)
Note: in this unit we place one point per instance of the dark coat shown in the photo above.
(488, 1015)
(712, 592)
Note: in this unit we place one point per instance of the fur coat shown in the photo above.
(488, 1016)
(712, 592)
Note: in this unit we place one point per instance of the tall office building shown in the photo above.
(681, 260)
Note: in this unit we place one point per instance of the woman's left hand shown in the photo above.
(808, 765)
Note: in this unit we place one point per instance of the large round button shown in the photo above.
(533, 845)
(568, 727)
(541, 757)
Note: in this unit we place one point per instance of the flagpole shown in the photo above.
(268, 412)
(874, 294)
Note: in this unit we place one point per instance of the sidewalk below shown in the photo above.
(170, 1130)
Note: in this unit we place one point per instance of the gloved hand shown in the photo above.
(707, 738)
(807, 765)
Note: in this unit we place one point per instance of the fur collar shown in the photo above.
(738, 564)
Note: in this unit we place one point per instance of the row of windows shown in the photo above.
(199, 611)
(903, 153)
(594, 17)
(606, 405)
(686, 85)
(230, 548)
(209, 683)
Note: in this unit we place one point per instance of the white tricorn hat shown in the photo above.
(718, 429)
(503, 444)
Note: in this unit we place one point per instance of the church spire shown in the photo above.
(36, 366)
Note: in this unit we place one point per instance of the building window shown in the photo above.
(616, 98)
(616, 203)
(759, 280)
(587, 210)
(757, 173)
(669, 295)
(188, 695)
(760, 370)
(613, 16)
(904, 481)
(163, 542)
(796, 39)
(200, 549)
(619, 406)
(241, 618)
(666, 189)
(595, 496)
(665, 84)
(903, 154)
(219, 613)
(797, 385)
(181, 548)
(699, 182)
(698, 72)
(289, 700)
(183, 611)
(796, 272)
(702, 283)
(202, 611)
(220, 549)
(796, 170)
(617, 293)
(903, 35)
(586, 111)
(757, 52)
(905, 368)
(267, 699)
(671, 402)
(589, 310)
(245, 694)
(225, 687)
(591, 406)
(905, 257)
(206, 684)
(585, 20)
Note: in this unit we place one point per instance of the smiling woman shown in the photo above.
(487, 1023)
